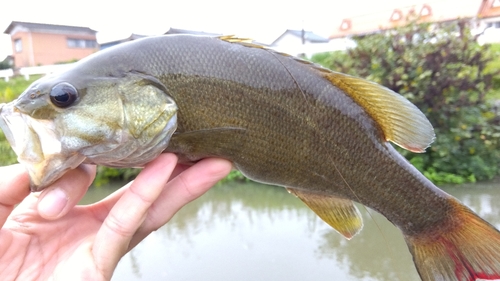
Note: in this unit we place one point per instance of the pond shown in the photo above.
(249, 231)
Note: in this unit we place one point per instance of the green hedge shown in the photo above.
(452, 79)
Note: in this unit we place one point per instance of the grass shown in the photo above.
(494, 66)
(12, 89)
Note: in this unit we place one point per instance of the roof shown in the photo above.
(8, 57)
(50, 28)
(192, 32)
(309, 36)
(390, 17)
(132, 37)
(489, 9)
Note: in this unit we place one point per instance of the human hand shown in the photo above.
(47, 238)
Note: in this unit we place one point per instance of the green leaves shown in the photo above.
(452, 79)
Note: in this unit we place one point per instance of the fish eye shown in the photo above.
(63, 95)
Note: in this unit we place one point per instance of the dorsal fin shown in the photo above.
(243, 41)
(401, 121)
(341, 214)
(248, 42)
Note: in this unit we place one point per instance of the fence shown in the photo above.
(6, 74)
(34, 70)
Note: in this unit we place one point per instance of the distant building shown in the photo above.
(8, 62)
(303, 43)
(36, 44)
(291, 36)
(483, 13)
(132, 37)
(191, 32)
(489, 21)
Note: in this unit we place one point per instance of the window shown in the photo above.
(397, 15)
(81, 43)
(345, 25)
(493, 24)
(425, 11)
(18, 45)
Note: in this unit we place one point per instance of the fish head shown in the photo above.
(62, 121)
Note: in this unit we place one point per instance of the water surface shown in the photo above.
(256, 232)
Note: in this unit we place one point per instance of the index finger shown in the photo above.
(126, 216)
(14, 187)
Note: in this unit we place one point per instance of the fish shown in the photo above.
(323, 135)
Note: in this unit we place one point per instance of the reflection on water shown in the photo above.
(257, 232)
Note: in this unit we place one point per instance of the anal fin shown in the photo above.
(339, 213)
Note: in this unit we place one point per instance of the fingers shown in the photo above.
(150, 202)
(14, 187)
(113, 239)
(191, 184)
(59, 198)
(186, 187)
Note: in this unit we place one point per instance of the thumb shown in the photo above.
(59, 198)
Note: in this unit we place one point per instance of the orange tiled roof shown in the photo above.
(426, 10)
(489, 8)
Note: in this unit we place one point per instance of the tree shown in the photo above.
(442, 69)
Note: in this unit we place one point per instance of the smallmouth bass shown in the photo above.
(322, 135)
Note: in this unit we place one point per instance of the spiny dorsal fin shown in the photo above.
(341, 214)
(248, 42)
(243, 41)
(401, 121)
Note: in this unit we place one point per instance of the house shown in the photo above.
(132, 37)
(293, 37)
(490, 11)
(45, 44)
(489, 18)
(303, 42)
(423, 10)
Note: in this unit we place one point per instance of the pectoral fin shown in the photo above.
(341, 214)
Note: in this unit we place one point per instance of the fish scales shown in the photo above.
(300, 130)
(322, 135)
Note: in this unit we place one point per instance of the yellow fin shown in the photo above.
(243, 41)
(401, 121)
(341, 214)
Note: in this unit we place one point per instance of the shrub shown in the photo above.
(441, 69)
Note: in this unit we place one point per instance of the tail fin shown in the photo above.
(467, 251)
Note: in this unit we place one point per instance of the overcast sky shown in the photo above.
(262, 20)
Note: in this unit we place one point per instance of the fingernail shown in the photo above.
(53, 203)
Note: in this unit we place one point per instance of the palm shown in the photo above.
(88, 241)
(58, 246)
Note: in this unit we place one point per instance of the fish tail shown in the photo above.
(465, 249)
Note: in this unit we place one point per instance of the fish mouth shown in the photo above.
(37, 146)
